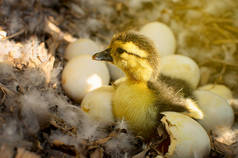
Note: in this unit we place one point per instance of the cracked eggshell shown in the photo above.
(188, 139)
(180, 67)
(115, 72)
(81, 46)
(98, 104)
(162, 36)
(216, 110)
(82, 75)
(218, 89)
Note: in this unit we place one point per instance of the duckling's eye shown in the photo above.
(120, 50)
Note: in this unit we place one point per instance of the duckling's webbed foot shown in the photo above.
(171, 100)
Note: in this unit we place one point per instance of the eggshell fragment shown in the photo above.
(180, 67)
(188, 139)
(98, 104)
(162, 36)
(216, 110)
(81, 46)
(82, 74)
(218, 89)
(115, 72)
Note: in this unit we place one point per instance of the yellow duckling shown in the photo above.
(142, 96)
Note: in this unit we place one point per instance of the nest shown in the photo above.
(38, 120)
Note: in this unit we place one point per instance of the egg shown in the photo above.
(188, 139)
(82, 75)
(217, 113)
(180, 67)
(81, 46)
(115, 72)
(162, 36)
(218, 89)
(98, 104)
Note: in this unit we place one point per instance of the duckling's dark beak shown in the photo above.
(103, 56)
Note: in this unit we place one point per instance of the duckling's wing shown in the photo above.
(169, 100)
(178, 85)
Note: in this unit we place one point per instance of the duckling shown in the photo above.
(142, 96)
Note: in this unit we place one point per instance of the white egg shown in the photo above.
(188, 139)
(218, 89)
(81, 46)
(98, 104)
(115, 72)
(216, 110)
(162, 36)
(180, 67)
(82, 74)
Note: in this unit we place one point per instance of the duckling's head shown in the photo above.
(134, 54)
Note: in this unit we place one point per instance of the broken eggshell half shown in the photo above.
(188, 139)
